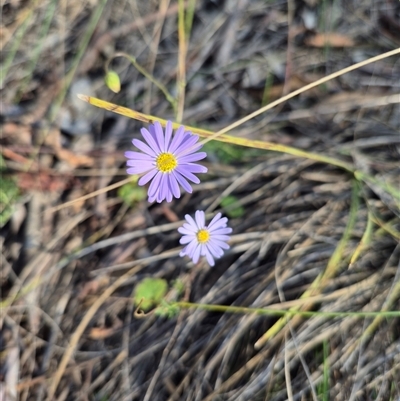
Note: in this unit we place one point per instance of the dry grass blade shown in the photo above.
(91, 195)
(81, 328)
(333, 266)
(221, 137)
(301, 90)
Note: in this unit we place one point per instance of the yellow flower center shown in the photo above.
(203, 236)
(166, 162)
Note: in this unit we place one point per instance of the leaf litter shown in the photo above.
(83, 262)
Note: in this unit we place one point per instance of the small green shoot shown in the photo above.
(166, 309)
(149, 292)
(131, 193)
(269, 81)
(143, 71)
(230, 209)
(179, 286)
(225, 152)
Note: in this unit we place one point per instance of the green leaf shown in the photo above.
(9, 194)
(179, 286)
(150, 292)
(112, 81)
(166, 309)
(231, 207)
(131, 193)
(225, 152)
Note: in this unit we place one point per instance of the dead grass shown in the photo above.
(68, 329)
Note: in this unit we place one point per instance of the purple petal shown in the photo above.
(177, 139)
(195, 168)
(137, 156)
(174, 187)
(185, 137)
(160, 194)
(152, 131)
(195, 157)
(221, 244)
(163, 189)
(200, 219)
(219, 231)
(182, 181)
(159, 136)
(150, 140)
(147, 177)
(214, 219)
(217, 223)
(168, 135)
(185, 239)
(190, 249)
(169, 192)
(190, 150)
(188, 137)
(221, 237)
(196, 254)
(210, 259)
(187, 174)
(140, 163)
(155, 185)
(130, 171)
(215, 250)
(144, 148)
(190, 227)
(138, 169)
(186, 145)
(203, 250)
(190, 220)
(185, 231)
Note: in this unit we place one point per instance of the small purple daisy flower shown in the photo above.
(167, 162)
(202, 240)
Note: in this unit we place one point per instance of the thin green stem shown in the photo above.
(325, 382)
(281, 312)
(181, 76)
(189, 17)
(334, 264)
(150, 77)
(15, 46)
(395, 192)
(81, 50)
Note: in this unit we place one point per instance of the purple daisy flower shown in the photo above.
(167, 162)
(202, 240)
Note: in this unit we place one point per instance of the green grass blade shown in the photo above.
(38, 48)
(15, 46)
(325, 382)
(94, 20)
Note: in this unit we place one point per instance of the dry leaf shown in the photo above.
(99, 333)
(329, 39)
(42, 181)
(93, 286)
(169, 214)
(73, 159)
(19, 133)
